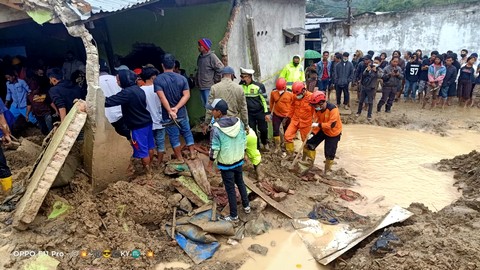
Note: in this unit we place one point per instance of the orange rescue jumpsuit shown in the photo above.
(301, 115)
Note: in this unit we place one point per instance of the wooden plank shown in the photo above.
(188, 188)
(49, 166)
(249, 183)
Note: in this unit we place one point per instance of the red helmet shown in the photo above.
(317, 96)
(297, 88)
(281, 84)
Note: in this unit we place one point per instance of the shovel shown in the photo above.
(13, 145)
(295, 160)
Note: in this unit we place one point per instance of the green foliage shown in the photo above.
(338, 8)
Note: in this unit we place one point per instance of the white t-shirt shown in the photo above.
(109, 86)
(153, 106)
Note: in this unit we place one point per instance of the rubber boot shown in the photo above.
(277, 140)
(6, 184)
(328, 165)
(290, 148)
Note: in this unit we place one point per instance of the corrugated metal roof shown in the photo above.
(87, 8)
(114, 5)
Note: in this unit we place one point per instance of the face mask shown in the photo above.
(300, 96)
(318, 108)
(463, 55)
(281, 92)
(375, 65)
(295, 64)
(345, 60)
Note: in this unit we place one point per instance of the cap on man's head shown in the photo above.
(371, 53)
(474, 55)
(122, 67)
(346, 54)
(205, 43)
(228, 70)
(247, 71)
(367, 57)
(218, 104)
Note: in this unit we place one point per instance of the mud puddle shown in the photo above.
(285, 251)
(395, 166)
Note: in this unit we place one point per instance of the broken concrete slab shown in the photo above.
(189, 188)
(249, 183)
(50, 165)
(185, 205)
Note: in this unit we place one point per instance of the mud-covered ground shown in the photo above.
(447, 239)
(131, 215)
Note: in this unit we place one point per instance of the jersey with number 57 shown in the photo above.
(412, 71)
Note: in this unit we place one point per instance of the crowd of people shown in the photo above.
(438, 80)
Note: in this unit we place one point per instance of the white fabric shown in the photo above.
(153, 106)
(109, 86)
(246, 71)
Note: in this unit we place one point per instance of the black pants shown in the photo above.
(4, 169)
(366, 95)
(331, 144)
(342, 89)
(121, 129)
(276, 122)
(230, 178)
(388, 96)
(257, 122)
(45, 123)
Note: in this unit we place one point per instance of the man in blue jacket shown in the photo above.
(228, 140)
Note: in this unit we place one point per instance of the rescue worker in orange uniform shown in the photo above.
(328, 128)
(301, 114)
(280, 104)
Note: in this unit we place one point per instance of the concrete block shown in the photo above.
(49, 166)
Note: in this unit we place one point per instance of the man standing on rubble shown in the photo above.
(5, 174)
(63, 93)
(233, 94)
(293, 72)
(258, 111)
(301, 114)
(209, 68)
(280, 105)
(228, 140)
(173, 91)
(328, 128)
(137, 118)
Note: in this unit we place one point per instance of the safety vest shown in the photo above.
(252, 91)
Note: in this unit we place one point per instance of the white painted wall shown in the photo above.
(442, 28)
(270, 17)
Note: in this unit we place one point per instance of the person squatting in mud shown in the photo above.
(328, 128)
(228, 141)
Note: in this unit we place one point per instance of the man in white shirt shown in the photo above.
(154, 106)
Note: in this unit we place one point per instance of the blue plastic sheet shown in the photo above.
(198, 252)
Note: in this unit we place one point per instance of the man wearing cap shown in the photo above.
(108, 84)
(209, 68)
(344, 74)
(258, 111)
(293, 72)
(228, 140)
(233, 94)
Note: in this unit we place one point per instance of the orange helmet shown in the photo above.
(297, 88)
(281, 84)
(317, 96)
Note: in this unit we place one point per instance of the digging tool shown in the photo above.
(295, 161)
(174, 222)
(13, 145)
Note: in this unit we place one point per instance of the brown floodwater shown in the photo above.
(394, 166)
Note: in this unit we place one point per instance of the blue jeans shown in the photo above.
(410, 86)
(45, 123)
(323, 84)
(444, 91)
(204, 93)
(230, 178)
(159, 137)
(173, 132)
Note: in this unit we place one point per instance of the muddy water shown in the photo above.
(395, 166)
(287, 252)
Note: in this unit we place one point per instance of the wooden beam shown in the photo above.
(18, 5)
